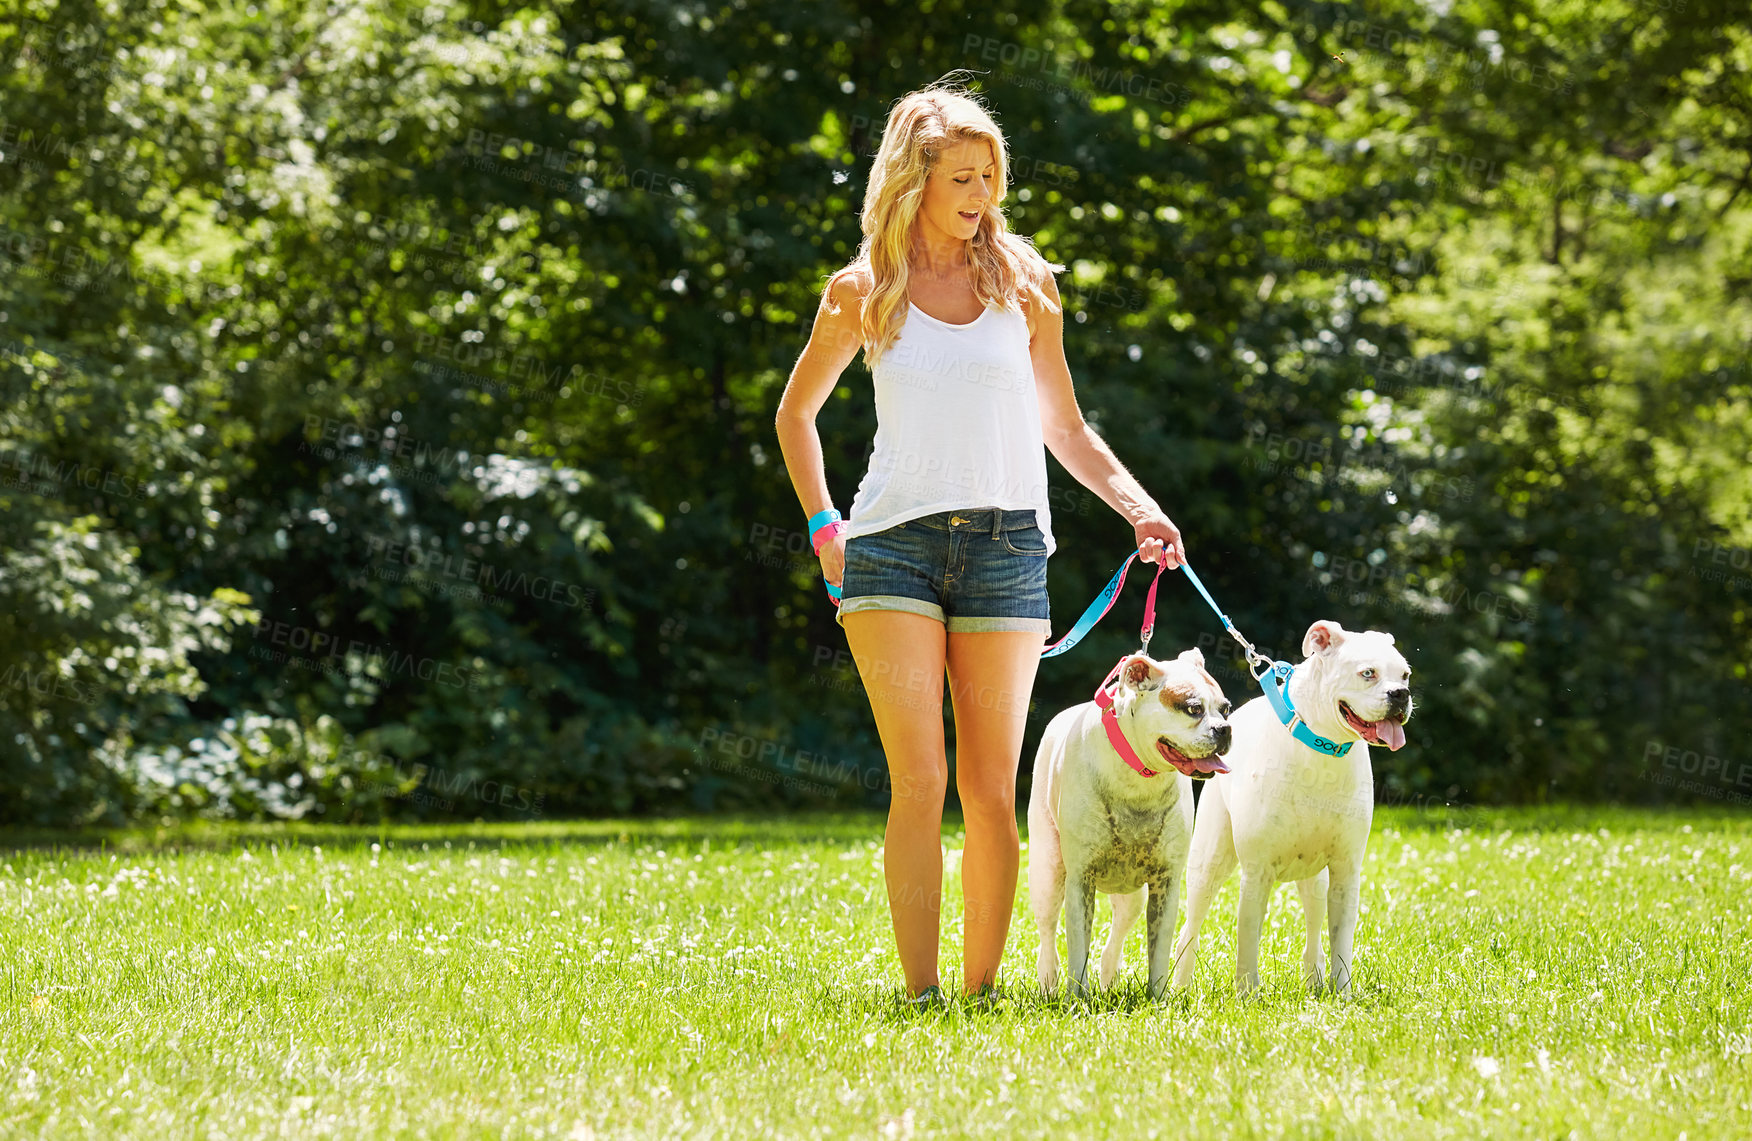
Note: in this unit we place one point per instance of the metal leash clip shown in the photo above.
(1255, 659)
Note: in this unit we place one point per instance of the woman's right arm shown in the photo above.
(833, 343)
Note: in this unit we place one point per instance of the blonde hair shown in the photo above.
(920, 127)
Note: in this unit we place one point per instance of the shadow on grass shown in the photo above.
(743, 831)
(1129, 998)
(690, 833)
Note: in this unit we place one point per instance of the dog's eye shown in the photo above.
(1195, 709)
(1368, 674)
(1224, 708)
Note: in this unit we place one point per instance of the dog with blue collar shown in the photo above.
(1298, 801)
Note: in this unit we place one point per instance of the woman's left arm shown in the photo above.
(1084, 453)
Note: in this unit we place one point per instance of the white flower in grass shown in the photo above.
(1486, 1067)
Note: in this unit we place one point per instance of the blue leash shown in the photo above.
(1098, 609)
(1273, 676)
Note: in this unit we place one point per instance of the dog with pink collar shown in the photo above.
(1111, 810)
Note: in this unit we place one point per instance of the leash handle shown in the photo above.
(1097, 610)
(1150, 607)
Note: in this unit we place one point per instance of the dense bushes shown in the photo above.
(389, 400)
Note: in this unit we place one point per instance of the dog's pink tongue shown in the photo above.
(1392, 733)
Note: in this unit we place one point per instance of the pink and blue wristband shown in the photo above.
(823, 526)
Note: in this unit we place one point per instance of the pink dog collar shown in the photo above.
(1110, 721)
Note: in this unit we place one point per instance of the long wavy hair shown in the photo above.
(921, 126)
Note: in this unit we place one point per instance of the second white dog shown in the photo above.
(1289, 811)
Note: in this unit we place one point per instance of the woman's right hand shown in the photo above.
(833, 559)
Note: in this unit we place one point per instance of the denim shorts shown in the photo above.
(972, 570)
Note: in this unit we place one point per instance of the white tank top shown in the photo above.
(957, 424)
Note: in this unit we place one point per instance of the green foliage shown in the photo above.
(389, 391)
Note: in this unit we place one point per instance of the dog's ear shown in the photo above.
(1322, 636)
(1141, 673)
(1195, 656)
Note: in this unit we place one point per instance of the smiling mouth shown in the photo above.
(970, 215)
(1198, 768)
(1388, 731)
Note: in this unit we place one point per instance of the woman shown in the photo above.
(942, 563)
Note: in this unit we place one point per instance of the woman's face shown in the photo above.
(960, 189)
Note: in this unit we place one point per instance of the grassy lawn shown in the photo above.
(1538, 974)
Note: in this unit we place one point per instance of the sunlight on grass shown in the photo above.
(1538, 975)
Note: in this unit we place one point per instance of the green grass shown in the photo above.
(1538, 974)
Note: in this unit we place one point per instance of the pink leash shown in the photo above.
(1104, 691)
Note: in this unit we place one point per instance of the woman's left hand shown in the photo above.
(1159, 540)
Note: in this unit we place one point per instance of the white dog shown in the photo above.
(1290, 810)
(1098, 823)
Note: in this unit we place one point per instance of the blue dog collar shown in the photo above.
(1276, 684)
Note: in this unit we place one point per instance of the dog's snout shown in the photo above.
(1398, 698)
(1223, 735)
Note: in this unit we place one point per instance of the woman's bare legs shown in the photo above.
(991, 677)
(900, 657)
